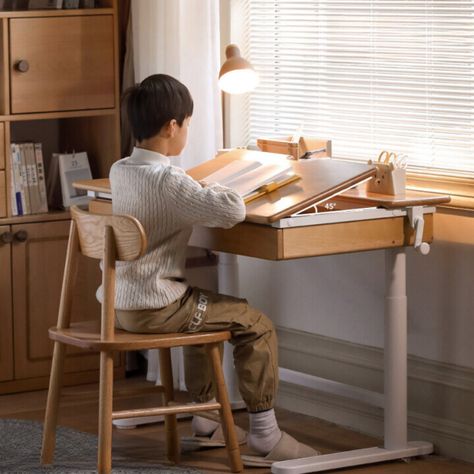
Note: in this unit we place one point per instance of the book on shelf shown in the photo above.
(16, 182)
(251, 174)
(32, 177)
(24, 177)
(68, 4)
(44, 4)
(28, 193)
(38, 150)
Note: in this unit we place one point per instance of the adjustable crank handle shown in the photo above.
(417, 221)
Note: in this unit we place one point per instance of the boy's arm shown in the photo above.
(210, 206)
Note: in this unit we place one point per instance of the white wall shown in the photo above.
(341, 296)
(329, 312)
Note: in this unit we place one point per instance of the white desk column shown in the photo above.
(228, 284)
(395, 353)
(396, 445)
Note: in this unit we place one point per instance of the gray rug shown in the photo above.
(76, 452)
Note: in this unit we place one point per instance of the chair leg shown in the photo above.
(171, 425)
(227, 419)
(52, 404)
(104, 455)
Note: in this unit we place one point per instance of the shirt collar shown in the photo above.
(141, 156)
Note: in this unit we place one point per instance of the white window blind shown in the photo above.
(370, 75)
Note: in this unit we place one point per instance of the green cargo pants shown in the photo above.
(253, 337)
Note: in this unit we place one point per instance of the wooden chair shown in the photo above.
(112, 238)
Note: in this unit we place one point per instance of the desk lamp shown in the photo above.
(236, 75)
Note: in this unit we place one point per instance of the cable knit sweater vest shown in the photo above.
(168, 203)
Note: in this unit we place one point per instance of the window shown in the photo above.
(368, 74)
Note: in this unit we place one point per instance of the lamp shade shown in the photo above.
(236, 75)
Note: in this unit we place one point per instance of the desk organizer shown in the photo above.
(389, 179)
(296, 149)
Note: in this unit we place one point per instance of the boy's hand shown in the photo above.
(203, 183)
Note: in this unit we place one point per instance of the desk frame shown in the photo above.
(391, 234)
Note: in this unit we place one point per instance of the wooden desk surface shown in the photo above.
(409, 198)
(263, 241)
(355, 195)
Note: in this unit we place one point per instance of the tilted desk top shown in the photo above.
(321, 179)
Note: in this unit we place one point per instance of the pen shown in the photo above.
(311, 152)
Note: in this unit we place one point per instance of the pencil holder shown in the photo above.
(305, 147)
(390, 177)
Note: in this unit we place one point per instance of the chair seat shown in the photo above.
(86, 334)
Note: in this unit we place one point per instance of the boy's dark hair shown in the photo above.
(154, 102)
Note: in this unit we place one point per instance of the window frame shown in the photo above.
(459, 187)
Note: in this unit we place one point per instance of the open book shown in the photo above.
(247, 176)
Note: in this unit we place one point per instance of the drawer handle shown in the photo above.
(22, 65)
(21, 236)
(6, 238)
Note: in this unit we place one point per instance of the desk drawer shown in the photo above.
(345, 237)
(261, 241)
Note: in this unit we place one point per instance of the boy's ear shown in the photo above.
(169, 129)
(172, 128)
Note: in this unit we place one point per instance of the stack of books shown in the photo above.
(28, 185)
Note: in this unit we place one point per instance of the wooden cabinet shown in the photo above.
(58, 86)
(37, 271)
(59, 64)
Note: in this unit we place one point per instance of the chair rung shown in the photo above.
(167, 410)
(209, 416)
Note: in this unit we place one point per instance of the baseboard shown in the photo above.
(440, 398)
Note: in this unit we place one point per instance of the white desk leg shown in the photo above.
(395, 354)
(228, 284)
(395, 386)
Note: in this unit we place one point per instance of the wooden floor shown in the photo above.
(146, 443)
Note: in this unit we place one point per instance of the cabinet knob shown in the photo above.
(21, 236)
(22, 65)
(6, 238)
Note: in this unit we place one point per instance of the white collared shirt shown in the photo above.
(142, 156)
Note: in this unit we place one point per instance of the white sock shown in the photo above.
(264, 433)
(203, 426)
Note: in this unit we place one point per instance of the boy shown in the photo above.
(152, 294)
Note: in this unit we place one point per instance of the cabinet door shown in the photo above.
(62, 63)
(3, 178)
(6, 333)
(38, 266)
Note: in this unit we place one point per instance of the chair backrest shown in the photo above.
(128, 233)
(106, 237)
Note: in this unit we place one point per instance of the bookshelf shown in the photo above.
(59, 85)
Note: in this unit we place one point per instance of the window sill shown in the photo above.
(461, 189)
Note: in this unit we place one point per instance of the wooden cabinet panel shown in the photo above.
(6, 329)
(3, 194)
(2, 145)
(37, 276)
(60, 69)
(68, 63)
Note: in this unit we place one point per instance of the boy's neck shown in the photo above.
(156, 144)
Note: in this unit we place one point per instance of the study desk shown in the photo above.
(353, 223)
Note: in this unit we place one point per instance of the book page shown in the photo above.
(231, 171)
(249, 182)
